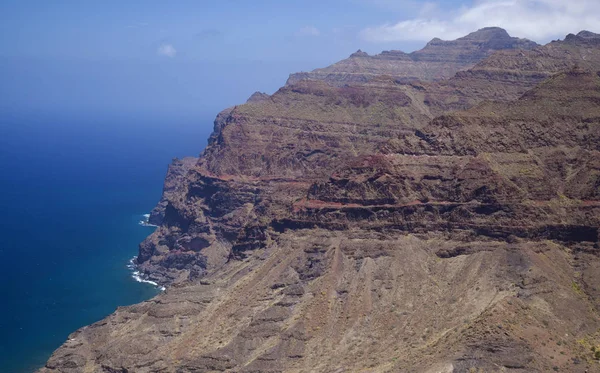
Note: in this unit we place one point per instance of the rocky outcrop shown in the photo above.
(307, 129)
(499, 169)
(258, 97)
(373, 227)
(439, 59)
(508, 74)
(174, 181)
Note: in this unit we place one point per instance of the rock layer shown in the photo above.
(439, 59)
(372, 227)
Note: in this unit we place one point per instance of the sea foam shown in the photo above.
(146, 221)
(135, 273)
(140, 277)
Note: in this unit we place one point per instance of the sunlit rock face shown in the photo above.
(449, 223)
(439, 59)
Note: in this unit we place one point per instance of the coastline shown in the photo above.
(145, 222)
(69, 234)
(132, 265)
(140, 277)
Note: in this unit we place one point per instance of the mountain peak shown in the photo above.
(583, 37)
(439, 59)
(588, 35)
(488, 33)
(359, 53)
(258, 97)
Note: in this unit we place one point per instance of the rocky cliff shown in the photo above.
(439, 59)
(381, 225)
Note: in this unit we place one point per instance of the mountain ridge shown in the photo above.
(445, 58)
(382, 226)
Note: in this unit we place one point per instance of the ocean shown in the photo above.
(72, 193)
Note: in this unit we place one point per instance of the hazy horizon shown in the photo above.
(190, 59)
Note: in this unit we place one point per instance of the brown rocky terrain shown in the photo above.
(439, 59)
(381, 225)
(508, 74)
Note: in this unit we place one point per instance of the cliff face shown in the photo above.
(381, 226)
(439, 59)
(526, 168)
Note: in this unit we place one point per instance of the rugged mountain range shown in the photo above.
(429, 212)
(439, 59)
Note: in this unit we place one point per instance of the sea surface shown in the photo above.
(72, 193)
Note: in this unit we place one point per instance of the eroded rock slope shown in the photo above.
(439, 59)
(380, 226)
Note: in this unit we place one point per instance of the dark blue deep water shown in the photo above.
(72, 191)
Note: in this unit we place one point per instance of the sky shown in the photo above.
(180, 59)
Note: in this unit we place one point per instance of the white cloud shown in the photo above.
(308, 31)
(166, 50)
(539, 20)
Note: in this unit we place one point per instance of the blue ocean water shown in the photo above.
(72, 191)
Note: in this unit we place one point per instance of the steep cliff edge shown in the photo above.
(264, 155)
(371, 227)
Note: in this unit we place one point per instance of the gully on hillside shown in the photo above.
(429, 212)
